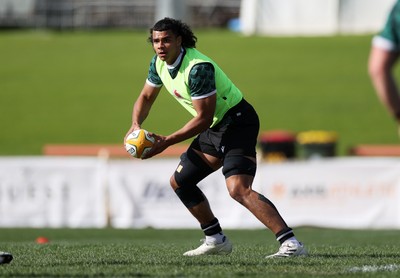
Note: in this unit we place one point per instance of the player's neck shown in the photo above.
(177, 60)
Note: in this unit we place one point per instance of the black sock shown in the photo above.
(211, 228)
(284, 235)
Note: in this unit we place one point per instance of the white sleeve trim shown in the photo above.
(383, 43)
(148, 82)
(206, 95)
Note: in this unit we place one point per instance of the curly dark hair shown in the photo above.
(178, 28)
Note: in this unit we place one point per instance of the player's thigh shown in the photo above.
(212, 161)
(204, 148)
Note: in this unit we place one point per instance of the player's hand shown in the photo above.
(159, 145)
(131, 129)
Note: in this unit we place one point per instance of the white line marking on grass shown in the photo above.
(375, 268)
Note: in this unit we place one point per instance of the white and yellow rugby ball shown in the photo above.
(138, 143)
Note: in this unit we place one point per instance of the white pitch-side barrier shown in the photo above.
(344, 192)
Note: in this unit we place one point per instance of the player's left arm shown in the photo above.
(203, 93)
(205, 109)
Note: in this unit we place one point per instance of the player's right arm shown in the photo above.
(146, 98)
(142, 106)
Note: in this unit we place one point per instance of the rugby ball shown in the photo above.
(138, 143)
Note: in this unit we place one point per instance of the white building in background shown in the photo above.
(312, 17)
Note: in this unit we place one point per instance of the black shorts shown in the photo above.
(235, 134)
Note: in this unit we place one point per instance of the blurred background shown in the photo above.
(64, 14)
(249, 16)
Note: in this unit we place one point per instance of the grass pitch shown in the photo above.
(158, 253)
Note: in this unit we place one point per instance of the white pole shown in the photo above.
(249, 16)
(171, 8)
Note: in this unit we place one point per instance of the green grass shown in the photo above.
(79, 87)
(158, 253)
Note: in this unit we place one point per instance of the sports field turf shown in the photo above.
(79, 87)
(158, 253)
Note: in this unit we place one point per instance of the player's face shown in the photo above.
(166, 45)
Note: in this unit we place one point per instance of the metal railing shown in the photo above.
(64, 14)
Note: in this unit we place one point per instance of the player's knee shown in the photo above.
(190, 171)
(239, 172)
(235, 193)
(190, 196)
(238, 190)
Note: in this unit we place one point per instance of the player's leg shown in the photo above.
(239, 187)
(5, 257)
(239, 173)
(239, 139)
(191, 170)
